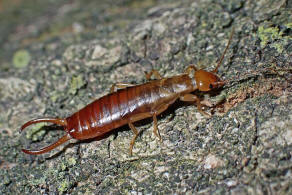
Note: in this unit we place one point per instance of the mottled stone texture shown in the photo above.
(57, 56)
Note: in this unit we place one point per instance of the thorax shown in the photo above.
(180, 84)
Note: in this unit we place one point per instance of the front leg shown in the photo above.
(192, 98)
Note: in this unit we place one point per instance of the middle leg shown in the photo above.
(136, 133)
(157, 111)
(155, 127)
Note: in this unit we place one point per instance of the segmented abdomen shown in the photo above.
(116, 109)
(110, 111)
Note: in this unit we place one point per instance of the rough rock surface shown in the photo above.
(58, 56)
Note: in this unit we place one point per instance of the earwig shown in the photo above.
(132, 103)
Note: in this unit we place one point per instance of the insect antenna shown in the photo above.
(222, 56)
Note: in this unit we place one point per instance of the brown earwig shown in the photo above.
(133, 103)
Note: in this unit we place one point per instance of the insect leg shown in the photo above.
(157, 111)
(120, 86)
(155, 127)
(193, 98)
(190, 68)
(153, 72)
(133, 128)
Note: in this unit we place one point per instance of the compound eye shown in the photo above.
(211, 86)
